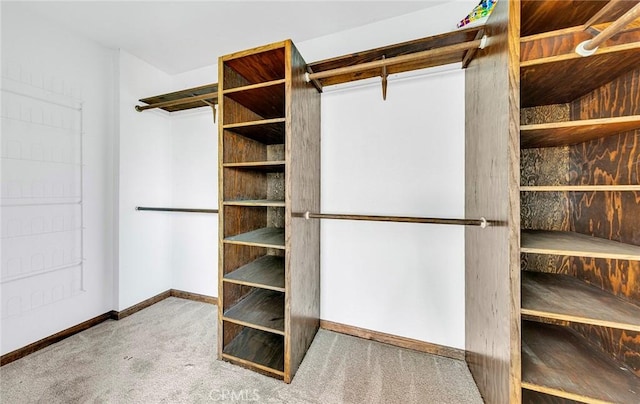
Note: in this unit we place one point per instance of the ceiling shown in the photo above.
(178, 36)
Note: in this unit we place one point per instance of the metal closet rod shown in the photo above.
(589, 47)
(189, 210)
(482, 222)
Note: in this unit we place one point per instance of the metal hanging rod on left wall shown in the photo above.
(189, 210)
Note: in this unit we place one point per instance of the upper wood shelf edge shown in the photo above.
(177, 95)
(555, 361)
(574, 132)
(563, 297)
(575, 244)
(250, 87)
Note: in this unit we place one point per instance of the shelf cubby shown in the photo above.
(269, 237)
(257, 349)
(558, 362)
(262, 309)
(266, 272)
(266, 131)
(563, 297)
(576, 244)
(266, 100)
(254, 67)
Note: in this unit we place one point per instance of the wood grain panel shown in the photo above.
(622, 345)
(266, 100)
(620, 277)
(492, 257)
(549, 15)
(239, 148)
(302, 190)
(619, 97)
(234, 112)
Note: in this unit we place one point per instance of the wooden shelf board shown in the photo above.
(574, 132)
(269, 237)
(267, 131)
(404, 48)
(265, 99)
(555, 361)
(268, 166)
(563, 297)
(189, 92)
(262, 309)
(266, 272)
(575, 244)
(546, 81)
(255, 202)
(578, 188)
(254, 347)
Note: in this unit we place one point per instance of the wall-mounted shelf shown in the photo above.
(555, 361)
(575, 244)
(196, 97)
(563, 297)
(574, 132)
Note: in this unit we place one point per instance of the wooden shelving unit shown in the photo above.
(269, 164)
(578, 136)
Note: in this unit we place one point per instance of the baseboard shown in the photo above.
(395, 340)
(110, 315)
(194, 296)
(52, 339)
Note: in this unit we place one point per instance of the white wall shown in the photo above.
(48, 62)
(145, 179)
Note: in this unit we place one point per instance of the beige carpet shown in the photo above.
(167, 354)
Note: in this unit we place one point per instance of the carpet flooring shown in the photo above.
(166, 353)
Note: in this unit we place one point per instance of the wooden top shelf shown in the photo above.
(555, 361)
(269, 237)
(574, 132)
(261, 309)
(257, 65)
(257, 349)
(575, 244)
(266, 272)
(268, 166)
(404, 48)
(578, 188)
(256, 202)
(563, 297)
(189, 92)
(268, 131)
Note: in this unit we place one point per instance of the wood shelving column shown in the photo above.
(269, 167)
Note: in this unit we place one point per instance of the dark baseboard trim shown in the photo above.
(110, 315)
(52, 339)
(142, 305)
(395, 340)
(194, 296)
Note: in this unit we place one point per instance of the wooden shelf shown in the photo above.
(270, 237)
(575, 244)
(574, 132)
(265, 99)
(563, 297)
(189, 92)
(555, 361)
(564, 78)
(267, 166)
(404, 48)
(266, 272)
(261, 309)
(578, 188)
(256, 202)
(267, 131)
(254, 347)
